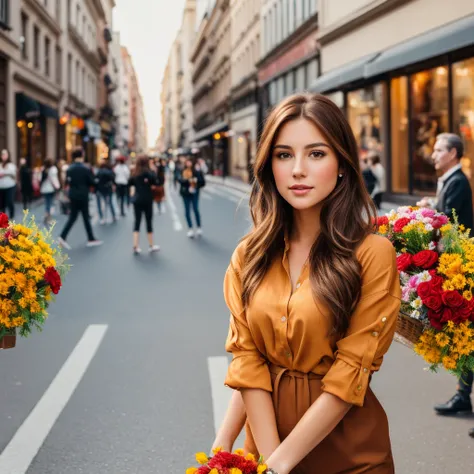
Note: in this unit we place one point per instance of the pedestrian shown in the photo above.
(177, 170)
(453, 194)
(191, 181)
(122, 176)
(7, 184)
(367, 175)
(104, 180)
(26, 183)
(159, 194)
(142, 182)
(314, 298)
(79, 180)
(49, 186)
(378, 171)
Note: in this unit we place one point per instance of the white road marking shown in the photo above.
(224, 195)
(24, 446)
(220, 394)
(174, 213)
(206, 196)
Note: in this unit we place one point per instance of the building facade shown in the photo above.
(400, 87)
(289, 43)
(245, 55)
(211, 87)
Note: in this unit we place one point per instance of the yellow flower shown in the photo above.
(234, 470)
(214, 471)
(449, 363)
(250, 457)
(217, 450)
(446, 228)
(262, 468)
(239, 452)
(383, 229)
(202, 458)
(191, 470)
(442, 339)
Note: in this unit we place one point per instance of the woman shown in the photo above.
(26, 183)
(160, 190)
(7, 184)
(191, 181)
(314, 298)
(142, 183)
(104, 190)
(122, 176)
(380, 183)
(49, 187)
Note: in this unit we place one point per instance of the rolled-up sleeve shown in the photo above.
(248, 368)
(372, 326)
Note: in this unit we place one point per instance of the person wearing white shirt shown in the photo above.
(49, 186)
(7, 184)
(380, 184)
(122, 177)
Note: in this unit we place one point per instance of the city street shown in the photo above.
(127, 376)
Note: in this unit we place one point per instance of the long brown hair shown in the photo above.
(141, 166)
(346, 214)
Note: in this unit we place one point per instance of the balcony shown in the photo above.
(107, 35)
(41, 11)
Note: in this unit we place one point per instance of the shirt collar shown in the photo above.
(449, 173)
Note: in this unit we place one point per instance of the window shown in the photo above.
(463, 110)
(429, 92)
(36, 34)
(4, 13)
(303, 9)
(47, 47)
(84, 28)
(290, 82)
(59, 75)
(58, 10)
(83, 83)
(24, 36)
(273, 93)
(280, 88)
(78, 79)
(78, 16)
(400, 135)
(295, 14)
(301, 78)
(283, 33)
(69, 72)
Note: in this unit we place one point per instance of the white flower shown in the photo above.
(416, 314)
(428, 227)
(416, 303)
(424, 276)
(404, 277)
(432, 246)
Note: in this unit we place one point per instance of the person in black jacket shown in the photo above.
(191, 181)
(453, 193)
(79, 179)
(142, 183)
(26, 183)
(104, 180)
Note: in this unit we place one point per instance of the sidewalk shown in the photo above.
(245, 188)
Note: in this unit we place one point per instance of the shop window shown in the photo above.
(400, 135)
(290, 82)
(365, 113)
(337, 98)
(312, 71)
(429, 118)
(280, 88)
(463, 110)
(301, 78)
(273, 93)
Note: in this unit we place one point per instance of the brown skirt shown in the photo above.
(360, 443)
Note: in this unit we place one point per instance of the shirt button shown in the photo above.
(384, 320)
(366, 369)
(375, 334)
(283, 319)
(298, 285)
(288, 354)
(359, 387)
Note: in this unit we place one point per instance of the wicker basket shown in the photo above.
(8, 341)
(408, 330)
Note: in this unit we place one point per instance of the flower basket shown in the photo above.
(435, 261)
(31, 272)
(8, 340)
(409, 329)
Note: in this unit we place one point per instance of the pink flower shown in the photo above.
(413, 282)
(428, 212)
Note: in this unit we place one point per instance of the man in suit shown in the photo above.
(453, 192)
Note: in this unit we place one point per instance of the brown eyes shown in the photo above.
(313, 154)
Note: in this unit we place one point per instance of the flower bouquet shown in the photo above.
(227, 463)
(435, 260)
(31, 273)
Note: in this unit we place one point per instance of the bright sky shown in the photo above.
(148, 28)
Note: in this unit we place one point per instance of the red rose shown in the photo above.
(400, 224)
(3, 220)
(435, 319)
(54, 279)
(425, 259)
(437, 223)
(424, 290)
(452, 299)
(433, 302)
(383, 220)
(436, 283)
(404, 261)
(462, 313)
(448, 315)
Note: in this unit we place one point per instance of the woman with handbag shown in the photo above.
(143, 183)
(49, 187)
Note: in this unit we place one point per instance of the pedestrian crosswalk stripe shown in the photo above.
(27, 441)
(223, 194)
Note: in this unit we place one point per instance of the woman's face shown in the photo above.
(189, 164)
(304, 165)
(4, 155)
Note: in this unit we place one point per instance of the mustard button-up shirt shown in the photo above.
(291, 329)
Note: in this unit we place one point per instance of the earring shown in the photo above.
(340, 175)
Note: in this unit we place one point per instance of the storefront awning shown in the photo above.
(26, 107)
(215, 127)
(336, 78)
(47, 111)
(450, 37)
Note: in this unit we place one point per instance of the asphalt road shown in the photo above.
(127, 375)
